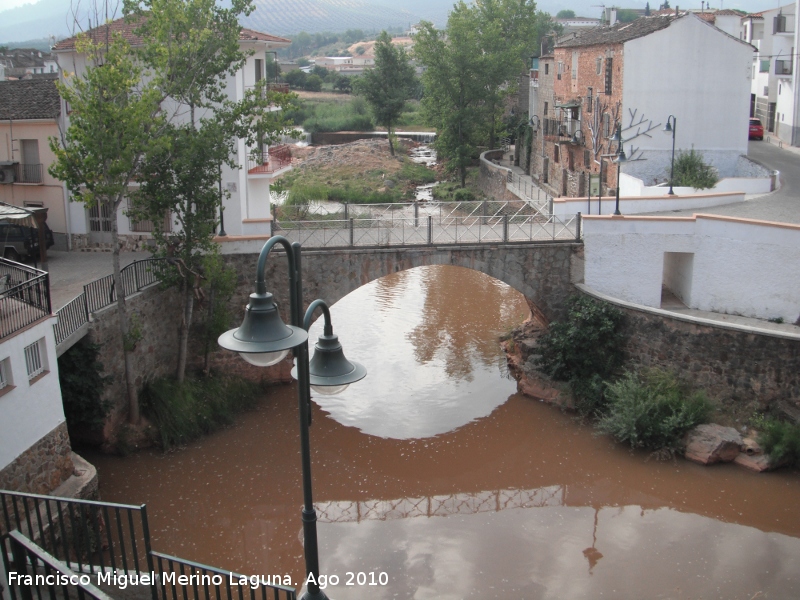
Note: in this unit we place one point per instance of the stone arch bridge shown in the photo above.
(541, 271)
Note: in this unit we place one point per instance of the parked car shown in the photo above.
(756, 129)
(20, 242)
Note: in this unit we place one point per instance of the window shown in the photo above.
(5, 374)
(35, 359)
(589, 99)
(609, 71)
(555, 154)
(545, 108)
(599, 65)
(259, 69)
(560, 69)
(606, 125)
(574, 65)
(763, 66)
(546, 68)
(587, 159)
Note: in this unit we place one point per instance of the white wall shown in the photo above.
(637, 205)
(740, 266)
(29, 412)
(700, 75)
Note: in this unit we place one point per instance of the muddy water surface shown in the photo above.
(434, 472)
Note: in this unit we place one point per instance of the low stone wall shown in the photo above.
(743, 368)
(493, 179)
(42, 467)
(128, 243)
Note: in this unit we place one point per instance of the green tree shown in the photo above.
(692, 171)
(388, 85)
(192, 47)
(627, 15)
(295, 78)
(115, 119)
(565, 14)
(471, 68)
(313, 83)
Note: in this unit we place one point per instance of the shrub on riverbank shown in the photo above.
(585, 350)
(182, 413)
(652, 410)
(780, 441)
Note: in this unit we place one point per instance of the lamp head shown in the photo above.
(330, 372)
(617, 137)
(621, 158)
(262, 339)
(668, 126)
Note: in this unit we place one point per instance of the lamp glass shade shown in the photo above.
(667, 128)
(264, 359)
(330, 390)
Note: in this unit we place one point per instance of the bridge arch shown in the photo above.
(540, 271)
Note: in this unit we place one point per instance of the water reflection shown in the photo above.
(524, 502)
(429, 340)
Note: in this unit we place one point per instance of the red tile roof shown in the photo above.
(127, 27)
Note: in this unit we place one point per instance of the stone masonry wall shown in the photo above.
(744, 370)
(158, 312)
(42, 467)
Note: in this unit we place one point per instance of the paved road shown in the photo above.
(782, 205)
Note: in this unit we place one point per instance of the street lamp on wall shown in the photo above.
(621, 158)
(534, 122)
(671, 127)
(263, 339)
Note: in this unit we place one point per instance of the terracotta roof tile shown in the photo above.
(621, 32)
(126, 28)
(29, 99)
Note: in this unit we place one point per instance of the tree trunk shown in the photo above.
(124, 322)
(186, 321)
(209, 317)
(389, 135)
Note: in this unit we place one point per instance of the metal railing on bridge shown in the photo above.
(50, 535)
(101, 293)
(452, 223)
(24, 296)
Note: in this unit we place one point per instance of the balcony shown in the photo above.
(783, 67)
(27, 173)
(282, 88)
(783, 24)
(24, 296)
(269, 161)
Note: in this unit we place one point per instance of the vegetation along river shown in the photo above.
(434, 471)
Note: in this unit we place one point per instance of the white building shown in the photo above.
(247, 212)
(35, 453)
(775, 97)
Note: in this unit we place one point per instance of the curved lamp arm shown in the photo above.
(325, 312)
(292, 252)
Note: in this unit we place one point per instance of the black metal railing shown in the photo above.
(88, 536)
(57, 579)
(201, 582)
(24, 296)
(101, 293)
(25, 173)
(50, 535)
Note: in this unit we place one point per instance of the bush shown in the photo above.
(313, 83)
(181, 414)
(82, 385)
(652, 410)
(691, 171)
(780, 440)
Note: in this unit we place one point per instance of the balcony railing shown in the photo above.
(783, 67)
(24, 296)
(269, 161)
(24, 173)
(783, 24)
(283, 88)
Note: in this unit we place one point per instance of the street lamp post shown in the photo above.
(671, 127)
(263, 340)
(620, 158)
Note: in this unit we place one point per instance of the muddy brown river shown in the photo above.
(434, 477)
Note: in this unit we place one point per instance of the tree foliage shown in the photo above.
(565, 14)
(471, 68)
(388, 84)
(115, 119)
(192, 47)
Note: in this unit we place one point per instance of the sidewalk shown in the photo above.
(70, 271)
